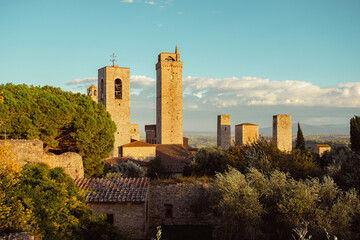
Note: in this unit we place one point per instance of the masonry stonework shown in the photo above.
(134, 132)
(170, 204)
(246, 134)
(224, 131)
(169, 99)
(31, 151)
(282, 133)
(114, 93)
(92, 92)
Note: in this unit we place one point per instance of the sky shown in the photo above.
(251, 59)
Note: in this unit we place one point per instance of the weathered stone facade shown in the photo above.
(179, 204)
(224, 131)
(31, 151)
(282, 133)
(17, 236)
(114, 93)
(134, 132)
(139, 150)
(129, 217)
(169, 99)
(321, 149)
(246, 134)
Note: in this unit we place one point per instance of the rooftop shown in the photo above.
(115, 190)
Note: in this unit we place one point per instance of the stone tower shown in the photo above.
(282, 133)
(169, 99)
(92, 92)
(246, 134)
(224, 131)
(114, 93)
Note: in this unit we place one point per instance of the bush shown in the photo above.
(127, 169)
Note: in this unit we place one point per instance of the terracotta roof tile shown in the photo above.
(247, 124)
(116, 190)
(138, 144)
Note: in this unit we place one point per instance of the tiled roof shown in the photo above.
(174, 157)
(323, 145)
(138, 144)
(247, 124)
(116, 190)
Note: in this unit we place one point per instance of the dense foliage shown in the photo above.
(64, 121)
(127, 169)
(355, 133)
(270, 206)
(155, 168)
(300, 140)
(47, 203)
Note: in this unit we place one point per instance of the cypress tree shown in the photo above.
(355, 133)
(300, 140)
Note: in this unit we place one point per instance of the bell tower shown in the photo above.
(114, 93)
(169, 99)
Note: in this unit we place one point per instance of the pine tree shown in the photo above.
(355, 133)
(300, 140)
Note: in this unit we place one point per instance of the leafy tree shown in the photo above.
(155, 168)
(208, 161)
(57, 206)
(300, 140)
(127, 169)
(64, 121)
(355, 133)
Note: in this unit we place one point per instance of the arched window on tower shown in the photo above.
(102, 89)
(94, 92)
(118, 89)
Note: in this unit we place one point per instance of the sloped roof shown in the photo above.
(116, 190)
(173, 156)
(138, 144)
(247, 124)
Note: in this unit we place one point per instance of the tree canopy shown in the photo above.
(300, 140)
(64, 121)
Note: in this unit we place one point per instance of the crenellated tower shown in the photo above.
(169, 99)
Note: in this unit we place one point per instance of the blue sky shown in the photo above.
(248, 58)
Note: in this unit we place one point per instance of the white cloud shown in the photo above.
(128, 1)
(159, 25)
(78, 81)
(150, 2)
(257, 91)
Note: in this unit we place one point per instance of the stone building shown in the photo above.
(114, 93)
(224, 131)
(150, 132)
(139, 150)
(32, 151)
(93, 93)
(169, 99)
(282, 133)
(321, 149)
(123, 200)
(246, 134)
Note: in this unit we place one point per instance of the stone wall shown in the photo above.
(246, 134)
(130, 218)
(179, 204)
(31, 151)
(140, 153)
(17, 236)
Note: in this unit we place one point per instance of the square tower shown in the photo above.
(282, 133)
(224, 131)
(92, 92)
(246, 134)
(114, 93)
(169, 99)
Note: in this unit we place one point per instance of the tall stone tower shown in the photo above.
(282, 133)
(224, 131)
(114, 93)
(246, 134)
(169, 99)
(92, 92)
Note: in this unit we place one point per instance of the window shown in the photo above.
(172, 77)
(118, 89)
(110, 218)
(102, 88)
(168, 210)
(94, 92)
(89, 92)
